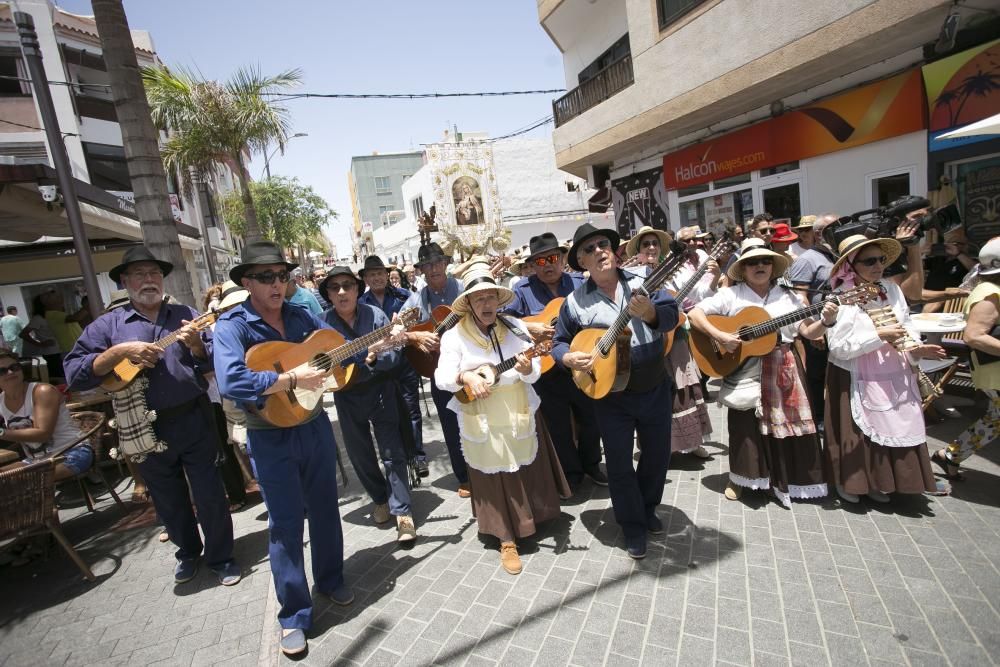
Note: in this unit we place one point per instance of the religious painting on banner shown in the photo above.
(466, 200)
(640, 200)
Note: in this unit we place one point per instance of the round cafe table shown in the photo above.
(935, 325)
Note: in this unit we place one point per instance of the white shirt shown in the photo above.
(854, 333)
(731, 300)
(460, 354)
(702, 289)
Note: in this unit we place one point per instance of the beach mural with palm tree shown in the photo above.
(963, 88)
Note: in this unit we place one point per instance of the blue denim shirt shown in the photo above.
(588, 307)
(240, 329)
(532, 295)
(368, 319)
(393, 300)
(427, 299)
(175, 379)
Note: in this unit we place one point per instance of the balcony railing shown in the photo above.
(612, 79)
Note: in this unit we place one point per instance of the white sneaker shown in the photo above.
(848, 497)
(878, 496)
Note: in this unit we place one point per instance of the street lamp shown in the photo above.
(267, 158)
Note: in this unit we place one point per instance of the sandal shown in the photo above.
(951, 470)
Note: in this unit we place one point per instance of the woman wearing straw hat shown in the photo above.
(874, 418)
(772, 437)
(690, 422)
(513, 470)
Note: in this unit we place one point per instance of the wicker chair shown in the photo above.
(28, 507)
(92, 429)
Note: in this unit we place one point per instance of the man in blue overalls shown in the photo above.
(562, 401)
(370, 398)
(390, 301)
(646, 403)
(296, 468)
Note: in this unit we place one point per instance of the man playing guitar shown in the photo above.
(645, 404)
(562, 400)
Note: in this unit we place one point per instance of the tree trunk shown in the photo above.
(253, 232)
(142, 149)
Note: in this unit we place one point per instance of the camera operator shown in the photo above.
(946, 264)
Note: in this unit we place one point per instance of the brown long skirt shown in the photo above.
(792, 467)
(859, 465)
(508, 505)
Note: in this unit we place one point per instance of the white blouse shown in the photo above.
(854, 333)
(731, 300)
(460, 354)
(702, 289)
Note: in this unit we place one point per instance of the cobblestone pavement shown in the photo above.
(914, 582)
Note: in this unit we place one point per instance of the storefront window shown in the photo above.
(780, 169)
(889, 188)
(783, 202)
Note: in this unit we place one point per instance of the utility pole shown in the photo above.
(36, 72)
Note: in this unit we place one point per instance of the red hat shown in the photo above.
(783, 234)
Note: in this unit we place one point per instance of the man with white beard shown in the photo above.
(176, 391)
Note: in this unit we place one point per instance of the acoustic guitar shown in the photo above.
(757, 331)
(492, 372)
(610, 348)
(440, 321)
(720, 249)
(324, 349)
(125, 372)
(548, 317)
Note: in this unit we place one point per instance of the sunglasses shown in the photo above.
(872, 261)
(603, 244)
(548, 259)
(765, 230)
(336, 287)
(759, 261)
(268, 277)
(13, 368)
(651, 243)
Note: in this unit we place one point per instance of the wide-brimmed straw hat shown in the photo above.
(477, 277)
(259, 252)
(853, 244)
(231, 295)
(806, 222)
(139, 254)
(585, 232)
(632, 247)
(750, 250)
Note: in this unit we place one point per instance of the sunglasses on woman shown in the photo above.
(13, 368)
(651, 243)
(872, 261)
(548, 259)
(268, 277)
(759, 261)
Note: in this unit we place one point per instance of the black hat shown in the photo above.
(340, 271)
(372, 262)
(430, 253)
(586, 231)
(139, 253)
(259, 252)
(543, 244)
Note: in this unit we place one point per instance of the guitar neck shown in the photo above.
(650, 285)
(702, 270)
(509, 363)
(174, 336)
(773, 324)
(337, 356)
(447, 323)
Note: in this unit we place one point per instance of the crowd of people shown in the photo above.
(834, 408)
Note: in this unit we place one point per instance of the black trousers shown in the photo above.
(562, 403)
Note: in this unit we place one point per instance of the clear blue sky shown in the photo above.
(365, 46)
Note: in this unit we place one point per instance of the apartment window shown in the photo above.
(107, 167)
(11, 69)
(383, 185)
(405, 178)
(417, 207)
(891, 187)
(618, 50)
(669, 11)
(383, 214)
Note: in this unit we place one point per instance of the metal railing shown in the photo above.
(612, 79)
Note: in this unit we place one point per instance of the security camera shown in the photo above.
(50, 193)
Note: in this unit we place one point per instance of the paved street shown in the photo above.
(915, 582)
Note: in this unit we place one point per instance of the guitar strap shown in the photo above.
(514, 329)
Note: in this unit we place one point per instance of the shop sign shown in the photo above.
(639, 200)
(880, 110)
(963, 88)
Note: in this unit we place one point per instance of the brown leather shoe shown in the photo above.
(509, 559)
(464, 490)
(733, 492)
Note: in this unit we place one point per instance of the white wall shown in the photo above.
(530, 184)
(839, 182)
(585, 29)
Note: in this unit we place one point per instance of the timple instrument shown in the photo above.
(492, 372)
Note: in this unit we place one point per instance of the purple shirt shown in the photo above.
(175, 379)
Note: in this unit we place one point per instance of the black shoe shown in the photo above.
(422, 469)
(636, 547)
(655, 526)
(597, 476)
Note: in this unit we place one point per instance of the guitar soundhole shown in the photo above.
(744, 333)
(321, 361)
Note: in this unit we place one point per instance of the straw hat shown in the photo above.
(750, 250)
(852, 244)
(689, 232)
(633, 245)
(232, 294)
(478, 277)
(806, 222)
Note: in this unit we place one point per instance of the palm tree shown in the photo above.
(141, 143)
(945, 99)
(980, 84)
(220, 123)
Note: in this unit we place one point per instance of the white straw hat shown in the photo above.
(477, 277)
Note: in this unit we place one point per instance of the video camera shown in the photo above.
(882, 222)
